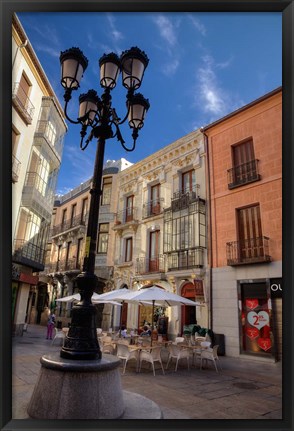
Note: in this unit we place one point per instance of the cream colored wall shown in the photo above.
(164, 167)
(22, 299)
(26, 132)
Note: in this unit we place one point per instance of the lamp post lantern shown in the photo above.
(97, 114)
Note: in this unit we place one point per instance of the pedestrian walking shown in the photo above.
(50, 326)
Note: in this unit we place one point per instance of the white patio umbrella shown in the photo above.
(154, 295)
(110, 295)
(77, 297)
(119, 295)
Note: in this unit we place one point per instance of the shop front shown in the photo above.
(258, 335)
(194, 291)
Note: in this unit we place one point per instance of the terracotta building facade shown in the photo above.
(244, 185)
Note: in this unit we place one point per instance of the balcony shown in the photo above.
(121, 262)
(253, 250)
(22, 103)
(64, 265)
(73, 223)
(15, 168)
(182, 199)
(37, 195)
(153, 208)
(243, 174)
(44, 133)
(146, 265)
(126, 218)
(185, 259)
(28, 254)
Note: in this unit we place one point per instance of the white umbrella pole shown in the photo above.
(152, 319)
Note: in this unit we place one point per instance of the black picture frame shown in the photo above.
(8, 7)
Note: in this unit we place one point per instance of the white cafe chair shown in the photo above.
(107, 345)
(123, 352)
(177, 352)
(152, 356)
(210, 354)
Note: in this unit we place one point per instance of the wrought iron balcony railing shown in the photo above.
(72, 223)
(243, 174)
(128, 215)
(146, 265)
(253, 250)
(22, 103)
(153, 208)
(27, 253)
(15, 168)
(185, 259)
(72, 264)
(183, 198)
(121, 261)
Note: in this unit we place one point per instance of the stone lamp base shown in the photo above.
(77, 389)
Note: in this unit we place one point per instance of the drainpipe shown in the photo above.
(17, 49)
(208, 194)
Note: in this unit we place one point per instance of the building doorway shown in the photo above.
(188, 312)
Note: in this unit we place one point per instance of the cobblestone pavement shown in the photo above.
(243, 389)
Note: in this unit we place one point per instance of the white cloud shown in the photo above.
(166, 29)
(48, 33)
(170, 68)
(197, 24)
(116, 35)
(210, 96)
(45, 48)
(81, 162)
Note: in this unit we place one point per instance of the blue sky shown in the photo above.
(202, 67)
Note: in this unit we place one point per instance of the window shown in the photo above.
(256, 335)
(103, 237)
(249, 232)
(68, 253)
(188, 181)
(154, 251)
(73, 214)
(245, 166)
(21, 101)
(155, 199)
(50, 132)
(129, 208)
(64, 216)
(84, 209)
(15, 139)
(106, 191)
(23, 90)
(128, 249)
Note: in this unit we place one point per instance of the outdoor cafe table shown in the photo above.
(196, 347)
(139, 348)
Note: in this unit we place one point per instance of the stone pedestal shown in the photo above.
(77, 389)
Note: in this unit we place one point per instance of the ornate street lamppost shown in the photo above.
(97, 114)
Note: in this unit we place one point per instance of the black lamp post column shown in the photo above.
(81, 341)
